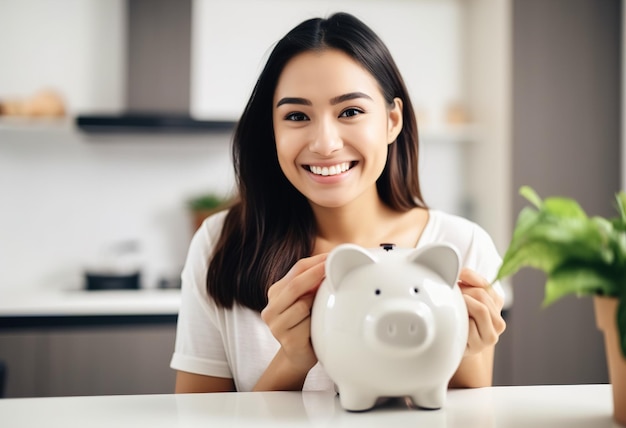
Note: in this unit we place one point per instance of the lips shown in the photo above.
(331, 169)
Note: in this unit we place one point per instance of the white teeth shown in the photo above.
(332, 170)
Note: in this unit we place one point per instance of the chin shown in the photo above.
(328, 204)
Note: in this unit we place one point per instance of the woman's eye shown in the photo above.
(349, 112)
(296, 116)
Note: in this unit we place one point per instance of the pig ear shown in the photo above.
(344, 258)
(442, 258)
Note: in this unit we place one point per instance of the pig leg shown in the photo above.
(355, 400)
(431, 398)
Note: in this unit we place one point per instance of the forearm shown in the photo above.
(191, 382)
(475, 370)
(281, 375)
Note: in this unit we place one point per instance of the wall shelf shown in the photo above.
(149, 123)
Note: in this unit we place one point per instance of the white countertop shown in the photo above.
(86, 303)
(522, 406)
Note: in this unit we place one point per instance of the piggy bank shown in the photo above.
(390, 322)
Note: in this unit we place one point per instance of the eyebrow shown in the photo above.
(336, 100)
(349, 96)
(293, 100)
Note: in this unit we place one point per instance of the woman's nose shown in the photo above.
(326, 139)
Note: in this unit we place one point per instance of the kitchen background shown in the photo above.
(508, 92)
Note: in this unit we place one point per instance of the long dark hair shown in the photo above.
(271, 225)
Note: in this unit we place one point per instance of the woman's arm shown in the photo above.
(475, 371)
(190, 382)
(484, 307)
(281, 375)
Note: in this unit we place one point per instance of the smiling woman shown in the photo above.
(331, 139)
(325, 152)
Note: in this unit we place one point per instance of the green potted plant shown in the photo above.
(580, 255)
(203, 205)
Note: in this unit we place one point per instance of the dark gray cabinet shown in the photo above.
(94, 360)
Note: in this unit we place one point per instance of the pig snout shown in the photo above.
(400, 329)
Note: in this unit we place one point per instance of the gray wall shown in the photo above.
(566, 141)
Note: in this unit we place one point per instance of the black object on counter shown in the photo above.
(113, 282)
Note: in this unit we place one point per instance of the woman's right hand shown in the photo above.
(288, 312)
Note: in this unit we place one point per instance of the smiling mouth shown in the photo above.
(330, 170)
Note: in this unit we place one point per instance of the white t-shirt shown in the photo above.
(236, 343)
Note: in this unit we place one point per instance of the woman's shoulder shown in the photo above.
(444, 221)
(205, 237)
(443, 226)
(212, 225)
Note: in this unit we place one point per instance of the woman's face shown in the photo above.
(332, 127)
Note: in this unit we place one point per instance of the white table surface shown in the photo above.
(520, 406)
(87, 303)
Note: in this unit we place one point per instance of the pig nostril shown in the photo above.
(412, 329)
(391, 329)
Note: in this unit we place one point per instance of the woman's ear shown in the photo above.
(395, 121)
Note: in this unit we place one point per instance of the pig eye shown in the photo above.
(415, 290)
(377, 291)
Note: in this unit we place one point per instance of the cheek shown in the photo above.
(375, 147)
(286, 150)
(372, 137)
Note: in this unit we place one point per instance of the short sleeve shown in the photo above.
(483, 257)
(477, 249)
(199, 346)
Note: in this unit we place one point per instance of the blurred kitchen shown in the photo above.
(115, 116)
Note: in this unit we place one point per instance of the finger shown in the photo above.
(493, 303)
(305, 283)
(292, 316)
(482, 317)
(301, 288)
(470, 280)
(305, 264)
(473, 338)
(301, 267)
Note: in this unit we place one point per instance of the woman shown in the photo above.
(326, 152)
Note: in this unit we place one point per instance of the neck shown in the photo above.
(365, 223)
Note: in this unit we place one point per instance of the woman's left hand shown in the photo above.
(484, 306)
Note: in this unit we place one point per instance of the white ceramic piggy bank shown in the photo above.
(390, 322)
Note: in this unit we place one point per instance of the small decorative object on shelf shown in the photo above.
(204, 205)
(44, 103)
(580, 255)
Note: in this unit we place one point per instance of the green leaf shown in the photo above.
(578, 279)
(531, 195)
(526, 219)
(538, 255)
(543, 241)
(563, 208)
(577, 238)
(621, 206)
(618, 241)
(206, 201)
